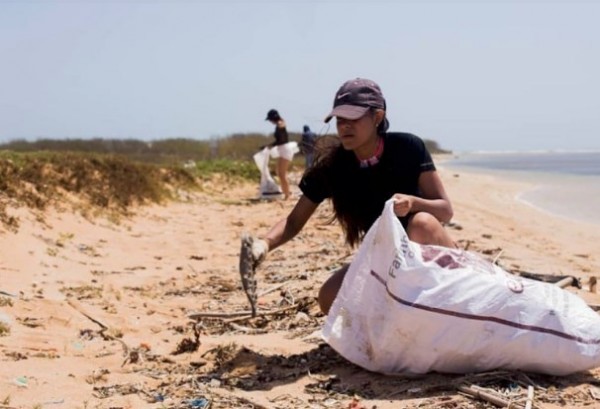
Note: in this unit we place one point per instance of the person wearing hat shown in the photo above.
(285, 153)
(307, 145)
(366, 166)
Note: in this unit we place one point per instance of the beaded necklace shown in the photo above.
(373, 160)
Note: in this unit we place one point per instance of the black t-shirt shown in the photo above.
(281, 136)
(403, 160)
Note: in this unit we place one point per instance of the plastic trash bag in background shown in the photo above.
(268, 189)
(408, 308)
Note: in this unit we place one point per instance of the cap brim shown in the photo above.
(351, 112)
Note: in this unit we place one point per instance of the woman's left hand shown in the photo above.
(402, 204)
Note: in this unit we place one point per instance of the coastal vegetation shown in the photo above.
(115, 174)
(235, 147)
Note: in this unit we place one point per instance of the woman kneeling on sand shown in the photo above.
(364, 168)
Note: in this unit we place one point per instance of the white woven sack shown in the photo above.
(268, 189)
(408, 308)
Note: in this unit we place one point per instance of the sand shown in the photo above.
(97, 310)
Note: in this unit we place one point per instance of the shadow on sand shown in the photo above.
(329, 373)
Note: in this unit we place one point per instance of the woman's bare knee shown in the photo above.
(330, 288)
(424, 228)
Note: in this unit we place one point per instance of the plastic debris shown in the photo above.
(21, 381)
(199, 403)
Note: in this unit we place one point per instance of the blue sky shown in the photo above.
(472, 75)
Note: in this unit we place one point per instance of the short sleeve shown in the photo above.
(425, 160)
(314, 187)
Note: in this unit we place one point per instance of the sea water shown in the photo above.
(565, 183)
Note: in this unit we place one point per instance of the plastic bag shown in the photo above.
(408, 308)
(268, 189)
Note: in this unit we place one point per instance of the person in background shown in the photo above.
(285, 153)
(307, 146)
(364, 167)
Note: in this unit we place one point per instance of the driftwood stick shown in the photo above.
(247, 330)
(238, 314)
(345, 256)
(468, 245)
(200, 315)
(479, 393)
(51, 350)
(266, 313)
(593, 283)
(337, 260)
(104, 327)
(565, 282)
(270, 290)
(529, 401)
(529, 381)
(82, 311)
(495, 261)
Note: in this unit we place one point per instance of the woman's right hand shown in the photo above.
(402, 204)
(260, 248)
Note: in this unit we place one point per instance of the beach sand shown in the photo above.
(98, 316)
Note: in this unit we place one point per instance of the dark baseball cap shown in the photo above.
(272, 115)
(355, 97)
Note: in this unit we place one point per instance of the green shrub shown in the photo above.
(237, 169)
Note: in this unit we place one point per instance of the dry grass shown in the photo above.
(37, 180)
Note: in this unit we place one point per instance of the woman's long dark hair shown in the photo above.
(331, 166)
